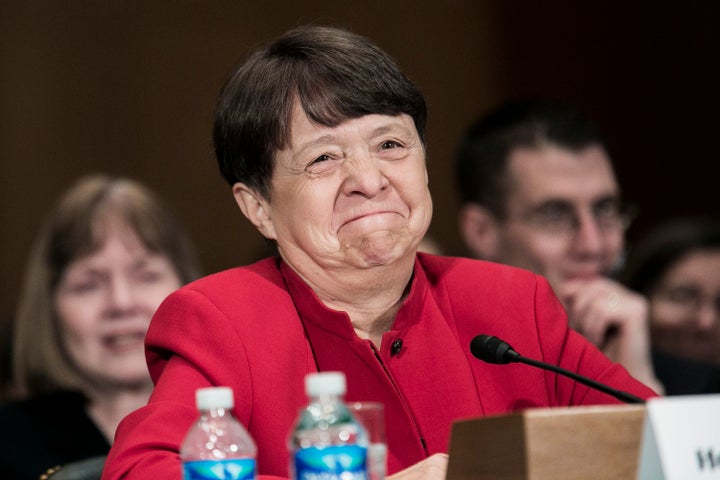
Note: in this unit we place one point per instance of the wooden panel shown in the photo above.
(580, 443)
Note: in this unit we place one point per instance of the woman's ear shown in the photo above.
(255, 208)
(479, 230)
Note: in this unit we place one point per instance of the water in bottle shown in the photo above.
(217, 446)
(327, 442)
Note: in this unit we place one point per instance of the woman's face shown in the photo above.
(104, 303)
(685, 308)
(355, 195)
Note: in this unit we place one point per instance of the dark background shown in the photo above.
(128, 87)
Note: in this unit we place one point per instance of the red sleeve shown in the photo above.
(182, 357)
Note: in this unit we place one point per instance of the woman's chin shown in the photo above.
(378, 250)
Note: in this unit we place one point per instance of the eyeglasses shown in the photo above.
(560, 218)
(688, 298)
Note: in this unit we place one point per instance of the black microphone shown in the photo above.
(494, 350)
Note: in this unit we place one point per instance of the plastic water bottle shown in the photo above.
(217, 446)
(327, 442)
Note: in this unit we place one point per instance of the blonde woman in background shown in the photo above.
(104, 260)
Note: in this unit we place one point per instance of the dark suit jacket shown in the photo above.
(45, 432)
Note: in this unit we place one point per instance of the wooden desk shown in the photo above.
(576, 443)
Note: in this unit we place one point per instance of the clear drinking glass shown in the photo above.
(372, 417)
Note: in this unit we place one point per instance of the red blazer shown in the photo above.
(260, 330)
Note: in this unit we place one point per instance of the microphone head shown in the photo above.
(491, 349)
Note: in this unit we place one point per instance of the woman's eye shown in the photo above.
(321, 164)
(683, 295)
(389, 144)
(84, 286)
(149, 276)
(320, 159)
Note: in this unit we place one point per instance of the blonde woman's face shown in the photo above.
(104, 303)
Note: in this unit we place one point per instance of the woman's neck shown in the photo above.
(107, 407)
(371, 297)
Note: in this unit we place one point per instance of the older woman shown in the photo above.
(321, 137)
(106, 257)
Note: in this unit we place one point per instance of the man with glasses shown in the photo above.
(538, 191)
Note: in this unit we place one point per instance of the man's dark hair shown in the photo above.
(484, 151)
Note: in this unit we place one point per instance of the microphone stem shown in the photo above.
(620, 395)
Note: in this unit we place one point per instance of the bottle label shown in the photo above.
(230, 469)
(338, 462)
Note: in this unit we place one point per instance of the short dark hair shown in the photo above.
(665, 245)
(483, 152)
(335, 75)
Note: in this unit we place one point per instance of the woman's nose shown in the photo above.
(708, 315)
(364, 176)
(121, 295)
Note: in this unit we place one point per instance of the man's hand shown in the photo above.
(432, 468)
(615, 319)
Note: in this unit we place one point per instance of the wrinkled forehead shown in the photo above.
(552, 173)
(303, 130)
